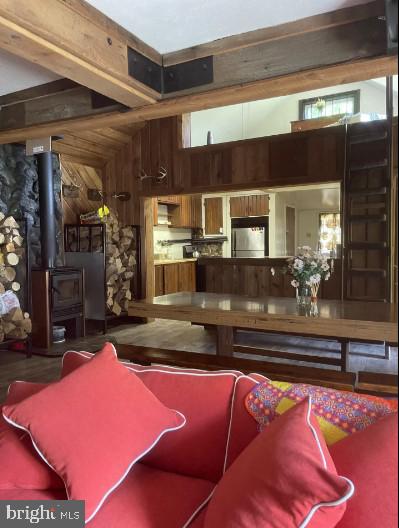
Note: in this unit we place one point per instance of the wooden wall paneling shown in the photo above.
(250, 161)
(85, 178)
(300, 158)
(213, 216)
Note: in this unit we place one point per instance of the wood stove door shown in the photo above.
(66, 291)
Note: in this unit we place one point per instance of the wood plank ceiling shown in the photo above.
(95, 148)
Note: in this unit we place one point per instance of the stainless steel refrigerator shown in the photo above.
(250, 237)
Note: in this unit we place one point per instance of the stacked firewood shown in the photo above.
(11, 251)
(120, 265)
(15, 324)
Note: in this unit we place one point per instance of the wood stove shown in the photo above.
(57, 292)
(57, 298)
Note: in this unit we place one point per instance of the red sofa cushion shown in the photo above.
(102, 405)
(243, 428)
(284, 478)
(150, 498)
(205, 400)
(147, 498)
(370, 460)
(20, 465)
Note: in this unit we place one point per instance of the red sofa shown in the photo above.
(173, 484)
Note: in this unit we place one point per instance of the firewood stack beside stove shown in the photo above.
(15, 324)
(120, 265)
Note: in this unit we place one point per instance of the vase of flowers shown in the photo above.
(308, 269)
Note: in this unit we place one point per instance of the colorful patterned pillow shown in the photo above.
(339, 413)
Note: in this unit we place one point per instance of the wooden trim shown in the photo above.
(279, 86)
(147, 247)
(61, 40)
(282, 31)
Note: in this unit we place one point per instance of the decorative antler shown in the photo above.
(162, 174)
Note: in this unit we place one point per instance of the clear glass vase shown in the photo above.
(303, 295)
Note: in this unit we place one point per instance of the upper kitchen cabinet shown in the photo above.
(213, 216)
(178, 211)
(189, 212)
(252, 205)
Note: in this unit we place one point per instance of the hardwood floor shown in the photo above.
(174, 335)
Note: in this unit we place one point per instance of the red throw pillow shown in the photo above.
(205, 400)
(20, 465)
(20, 390)
(93, 426)
(284, 478)
(370, 460)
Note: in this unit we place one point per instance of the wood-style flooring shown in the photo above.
(175, 335)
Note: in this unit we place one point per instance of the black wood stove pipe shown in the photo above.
(48, 237)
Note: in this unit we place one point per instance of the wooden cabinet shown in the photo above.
(184, 211)
(171, 278)
(213, 216)
(190, 211)
(255, 205)
(159, 281)
(187, 277)
(175, 277)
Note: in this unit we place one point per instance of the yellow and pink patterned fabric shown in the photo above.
(339, 413)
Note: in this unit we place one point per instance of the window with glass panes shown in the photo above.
(347, 103)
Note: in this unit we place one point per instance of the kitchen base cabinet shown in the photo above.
(175, 277)
(171, 278)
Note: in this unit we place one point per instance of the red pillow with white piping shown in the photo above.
(284, 478)
(21, 467)
(370, 459)
(93, 426)
(243, 428)
(205, 400)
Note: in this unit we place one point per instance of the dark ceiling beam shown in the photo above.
(43, 90)
(54, 101)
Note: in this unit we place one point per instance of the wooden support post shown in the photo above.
(345, 346)
(225, 341)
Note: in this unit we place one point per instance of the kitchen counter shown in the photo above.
(173, 261)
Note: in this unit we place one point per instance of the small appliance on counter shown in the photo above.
(190, 252)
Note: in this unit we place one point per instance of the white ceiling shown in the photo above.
(17, 74)
(170, 25)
